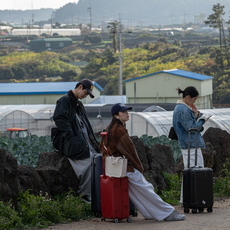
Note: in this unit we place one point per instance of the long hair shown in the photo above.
(112, 123)
(190, 90)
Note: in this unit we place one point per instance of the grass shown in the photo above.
(42, 211)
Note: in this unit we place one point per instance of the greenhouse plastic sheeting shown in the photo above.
(159, 123)
(38, 120)
(35, 118)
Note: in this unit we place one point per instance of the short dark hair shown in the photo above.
(190, 90)
(78, 84)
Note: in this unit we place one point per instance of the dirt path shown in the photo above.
(219, 219)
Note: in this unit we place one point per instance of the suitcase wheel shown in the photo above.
(129, 220)
(115, 220)
(194, 210)
(186, 210)
(102, 218)
(209, 209)
(134, 213)
(98, 214)
(201, 209)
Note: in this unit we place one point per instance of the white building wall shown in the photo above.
(48, 31)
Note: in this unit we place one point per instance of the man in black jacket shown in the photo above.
(79, 140)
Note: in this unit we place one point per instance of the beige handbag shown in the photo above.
(115, 166)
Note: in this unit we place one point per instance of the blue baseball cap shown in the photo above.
(119, 107)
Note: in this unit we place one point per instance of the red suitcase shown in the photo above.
(114, 198)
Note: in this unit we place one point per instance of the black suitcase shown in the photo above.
(197, 185)
(96, 171)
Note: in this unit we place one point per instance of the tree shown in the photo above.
(57, 25)
(68, 75)
(113, 31)
(216, 20)
(109, 57)
(6, 73)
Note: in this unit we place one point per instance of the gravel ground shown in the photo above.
(219, 219)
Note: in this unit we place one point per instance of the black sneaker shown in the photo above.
(86, 199)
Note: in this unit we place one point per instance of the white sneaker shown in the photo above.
(175, 216)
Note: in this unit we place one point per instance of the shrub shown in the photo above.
(9, 218)
(42, 211)
(73, 208)
(222, 184)
(33, 210)
(172, 194)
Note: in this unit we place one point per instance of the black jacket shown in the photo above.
(75, 145)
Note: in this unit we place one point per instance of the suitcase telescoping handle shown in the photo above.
(104, 136)
(189, 138)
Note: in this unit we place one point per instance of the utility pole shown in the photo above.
(28, 30)
(51, 22)
(184, 27)
(39, 29)
(90, 14)
(72, 19)
(120, 88)
(32, 15)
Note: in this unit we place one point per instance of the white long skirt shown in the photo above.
(148, 203)
(200, 159)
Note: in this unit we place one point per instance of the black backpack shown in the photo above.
(172, 134)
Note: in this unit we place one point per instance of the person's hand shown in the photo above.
(194, 109)
(208, 118)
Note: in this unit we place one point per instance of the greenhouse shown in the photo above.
(38, 119)
(159, 123)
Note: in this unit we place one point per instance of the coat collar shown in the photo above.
(183, 103)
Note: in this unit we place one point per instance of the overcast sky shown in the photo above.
(35, 4)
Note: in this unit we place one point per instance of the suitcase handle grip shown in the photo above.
(189, 131)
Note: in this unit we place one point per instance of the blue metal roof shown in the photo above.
(109, 99)
(178, 72)
(39, 88)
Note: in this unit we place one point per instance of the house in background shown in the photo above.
(160, 87)
(39, 92)
(53, 44)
